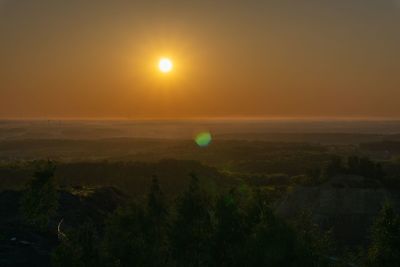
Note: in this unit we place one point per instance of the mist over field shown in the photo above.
(175, 139)
(186, 129)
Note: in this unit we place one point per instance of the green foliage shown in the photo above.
(67, 255)
(191, 232)
(79, 248)
(350, 258)
(314, 245)
(156, 225)
(384, 249)
(279, 179)
(125, 240)
(272, 243)
(355, 165)
(364, 167)
(136, 236)
(335, 166)
(157, 210)
(313, 178)
(231, 229)
(237, 228)
(40, 199)
(303, 180)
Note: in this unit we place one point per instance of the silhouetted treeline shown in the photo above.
(238, 156)
(40, 200)
(236, 228)
(386, 146)
(133, 177)
(355, 165)
(201, 227)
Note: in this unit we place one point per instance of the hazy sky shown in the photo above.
(266, 58)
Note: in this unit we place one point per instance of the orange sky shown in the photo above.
(97, 59)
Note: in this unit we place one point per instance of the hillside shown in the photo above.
(347, 204)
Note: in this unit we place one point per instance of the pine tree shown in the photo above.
(40, 200)
(125, 239)
(231, 231)
(137, 235)
(384, 249)
(156, 204)
(191, 232)
(80, 248)
(156, 226)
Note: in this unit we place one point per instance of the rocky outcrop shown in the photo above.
(20, 245)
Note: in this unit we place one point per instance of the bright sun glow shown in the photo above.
(165, 65)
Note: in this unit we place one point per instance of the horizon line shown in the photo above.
(216, 118)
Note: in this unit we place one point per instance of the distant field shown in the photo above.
(275, 130)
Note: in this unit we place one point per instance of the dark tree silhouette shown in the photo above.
(231, 231)
(335, 166)
(238, 229)
(125, 239)
(40, 200)
(80, 248)
(314, 245)
(384, 249)
(191, 233)
(156, 225)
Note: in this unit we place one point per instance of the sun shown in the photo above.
(165, 65)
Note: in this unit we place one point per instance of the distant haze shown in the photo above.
(272, 58)
(188, 129)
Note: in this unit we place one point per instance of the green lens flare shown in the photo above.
(203, 139)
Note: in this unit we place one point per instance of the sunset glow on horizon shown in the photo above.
(220, 120)
(206, 59)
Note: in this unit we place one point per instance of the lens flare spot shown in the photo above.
(203, 139)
